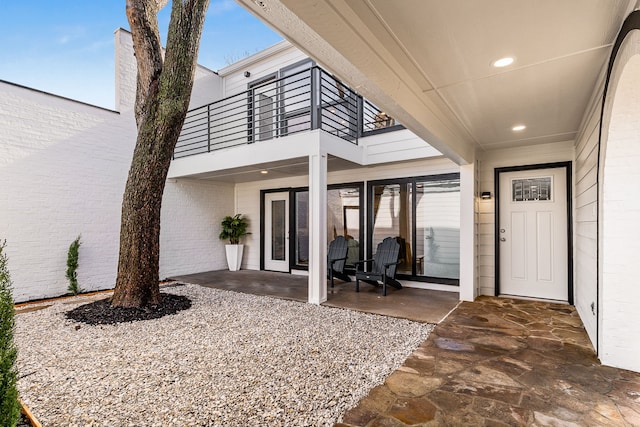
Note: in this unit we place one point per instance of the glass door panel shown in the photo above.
(276, 240)
(296, 98)
(438, 228)
(302, 228)
(343, 219)
(278, 230)
(392, 218)
(264, 110)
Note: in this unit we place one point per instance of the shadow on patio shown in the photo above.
(409, 303)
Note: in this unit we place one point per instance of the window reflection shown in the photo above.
(392, 218)
(438, 228)
(431, 246)
(302, 228)
(343, 219)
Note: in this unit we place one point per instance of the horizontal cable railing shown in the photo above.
(309, 99)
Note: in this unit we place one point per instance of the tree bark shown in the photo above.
(162, 99)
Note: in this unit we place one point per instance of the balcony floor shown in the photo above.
(409, 303)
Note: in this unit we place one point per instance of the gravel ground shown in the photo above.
(232, 359)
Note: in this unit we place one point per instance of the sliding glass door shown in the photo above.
(423, 214)
(438, 228)
(344, 218)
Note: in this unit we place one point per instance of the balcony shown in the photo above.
(306, 100)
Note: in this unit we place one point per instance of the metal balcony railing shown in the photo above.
(309, 99)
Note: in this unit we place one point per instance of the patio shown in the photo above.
(504, 362)
(409, 303)
(493, 362)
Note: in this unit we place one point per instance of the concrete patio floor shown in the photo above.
(410, 303)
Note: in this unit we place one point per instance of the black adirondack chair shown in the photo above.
(336, 258)
(382, 268)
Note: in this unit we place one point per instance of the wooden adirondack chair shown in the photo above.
(336, 258)
(382, 267)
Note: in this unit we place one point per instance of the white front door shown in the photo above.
(532, 234)
(276, 233)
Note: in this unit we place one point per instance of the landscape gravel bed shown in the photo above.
(231, 359)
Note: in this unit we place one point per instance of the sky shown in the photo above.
(66, 47)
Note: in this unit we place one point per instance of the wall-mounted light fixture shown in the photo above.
(486, 195)
(247, 74)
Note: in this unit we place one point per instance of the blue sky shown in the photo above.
(66, 46)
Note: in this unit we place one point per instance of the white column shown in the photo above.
(318, 228)
(468, 288)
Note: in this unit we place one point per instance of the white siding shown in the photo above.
(488, 162)
(207, 88)
(619, 338)
(235, 82)
(585, 214)
(395, 146)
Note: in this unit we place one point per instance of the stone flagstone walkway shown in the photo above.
(504, 362)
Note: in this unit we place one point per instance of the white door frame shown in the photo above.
(497, 172)
(266, 264)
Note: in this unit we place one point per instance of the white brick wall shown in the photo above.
(620, 211)
(63, 167)
(191, 215)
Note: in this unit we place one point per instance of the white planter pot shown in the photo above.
(234, 256)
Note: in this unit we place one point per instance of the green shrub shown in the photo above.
(234, 228)
(9, 405)
(72, 267)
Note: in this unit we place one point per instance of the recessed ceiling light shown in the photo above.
(264, 171)
(503, 62)
(518, 128)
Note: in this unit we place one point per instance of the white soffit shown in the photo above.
(428, 62)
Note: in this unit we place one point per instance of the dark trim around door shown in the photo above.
(496, 191)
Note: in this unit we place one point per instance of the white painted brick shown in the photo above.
(63, 168)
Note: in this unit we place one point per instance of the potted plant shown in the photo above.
(233, 229)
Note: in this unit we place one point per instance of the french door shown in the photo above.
(276, 233)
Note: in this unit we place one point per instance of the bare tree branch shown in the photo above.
(143, 20)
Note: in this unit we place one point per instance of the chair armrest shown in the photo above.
(389, 264)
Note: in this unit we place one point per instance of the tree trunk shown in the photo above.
(162, 99)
